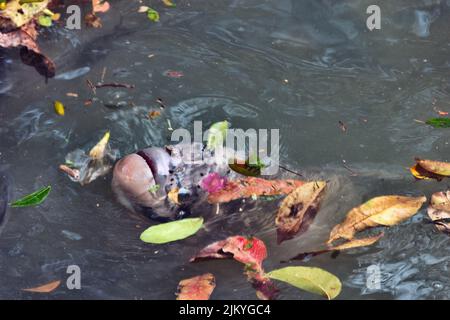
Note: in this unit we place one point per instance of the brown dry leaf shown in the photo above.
(173, 195)
(379, 211)
(434, 167)
(46, 288)
(93, 21)
(154, 114)
(196, 288)
(439, 211)
(419, 173)
(298, 209)
(100, 6)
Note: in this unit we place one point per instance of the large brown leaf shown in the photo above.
(379, 211)
(196, 288)
(439, 211)
(298, 210)
(249, 186)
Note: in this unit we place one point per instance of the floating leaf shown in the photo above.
(100, 6)
(246, 168)
(47, 288)
(173, 195)
(153, 15)
(169, 3)
(439, 211)
(217, 134)
(172, 231)
(33, 199)
(298, 209)
(143, 9)
(196, 288)
(250, 251)
(439, 122)
(154, 188)
(154, 114)
(384, 211)
(92, 21)
(434, 167)
(17, 14)
(45, 20)
(59, 108)
(249, 186)
(314, 280)
(98, 151)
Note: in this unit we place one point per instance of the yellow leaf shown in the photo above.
(384, 211)
(173, 195)
(355, 243)
(98, 151)
(59, 108)
(46, 288)
(169, 3)
(436, 167)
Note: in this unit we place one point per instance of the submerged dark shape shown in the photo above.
(143, 180)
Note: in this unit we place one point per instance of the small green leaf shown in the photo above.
(33, 199)
(153, 15)
(172, 231)
(216, 134)
(154, 188)
(439, 122)
(45, 20)
(314, 280)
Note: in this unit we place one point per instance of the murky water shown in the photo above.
(299, 66)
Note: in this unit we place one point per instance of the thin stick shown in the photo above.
(114, 85)
(288, 170)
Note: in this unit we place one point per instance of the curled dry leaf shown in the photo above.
(92, 21)
(250, 186)
(173, 195)
(196, 288)
(250, 251)
(379, 211)
(298, 209)
(430, 169)
(46, 288)
(439, 211)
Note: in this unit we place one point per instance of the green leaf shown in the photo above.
(217, 132)
(172, 231)
(154, 188)
(314, 280)
(45, 20)
(153, 15)
(33, 199)
(439, 122)
(247, 169)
